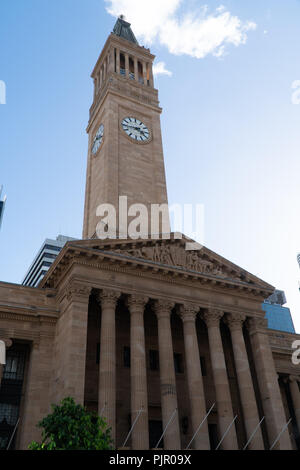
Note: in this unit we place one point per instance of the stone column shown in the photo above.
(138, 372)
(100, 81)
(126, 65)
(118, 61)
(294, 387)
(223, 397)
(111, 60)
(151, 75)
(107, 369)
(104, 70)
(249, 405)
(268, 382)
(7, 344)
(188, 313)
(167, 376)
(136, 70)
(145, 73)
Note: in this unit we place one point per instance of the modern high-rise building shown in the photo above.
(279, 317)
(44, 259)
(2, 205)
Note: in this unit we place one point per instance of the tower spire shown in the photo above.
(123, 30)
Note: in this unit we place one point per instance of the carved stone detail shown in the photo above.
(235, 321)
(177, 256)
(188, 312)
(212, 317)
(75, 289)
(163, 308)
(108, 298)
(137, 303)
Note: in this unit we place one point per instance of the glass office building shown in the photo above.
(2, 205)
(44, 259)
(279, 317)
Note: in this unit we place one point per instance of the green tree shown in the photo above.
(72, 427)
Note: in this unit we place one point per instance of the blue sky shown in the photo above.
(230, 131)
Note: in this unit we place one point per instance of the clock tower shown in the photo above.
(125, 154)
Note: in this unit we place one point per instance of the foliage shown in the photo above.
(72, 427)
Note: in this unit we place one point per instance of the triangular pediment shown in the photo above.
(176, 254)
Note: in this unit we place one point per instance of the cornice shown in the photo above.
(31, 310)
(147, 102)
(145, 269)
(24, 314)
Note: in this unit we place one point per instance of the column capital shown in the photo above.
(235, 321)
(256, 324)
(212, 317)
(137, 302)
(75, 289)
(163, 308)
(108, 298)
(188, 312)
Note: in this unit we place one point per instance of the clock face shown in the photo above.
(136, 129)
(98, 139)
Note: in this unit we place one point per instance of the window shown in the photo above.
(203, 366)
(126, 356)
(154, 360)
(11, 392)
(14, 368)
(178, 363)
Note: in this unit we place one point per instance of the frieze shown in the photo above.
(172, 255)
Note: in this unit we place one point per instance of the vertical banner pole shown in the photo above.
(277, 439)
(170, 420)
(227, 431)
(132, 427)
(207, 415)
(13, 434)
(253, 434)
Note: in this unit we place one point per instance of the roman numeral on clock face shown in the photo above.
(135, 129)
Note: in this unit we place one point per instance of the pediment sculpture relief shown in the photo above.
(173, 255)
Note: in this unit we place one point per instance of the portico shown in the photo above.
(129, 288)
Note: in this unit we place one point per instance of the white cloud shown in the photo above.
(195, 33)
(160, 69)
